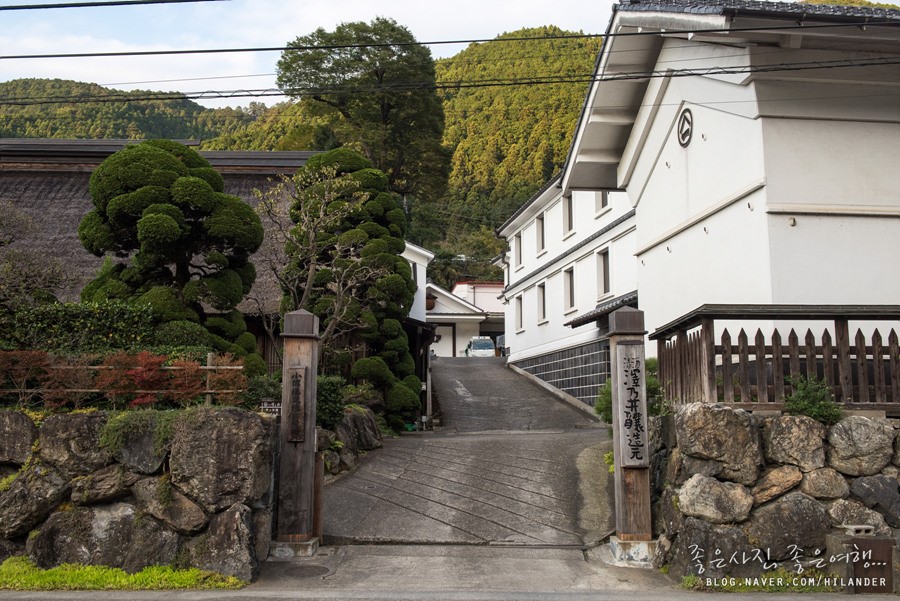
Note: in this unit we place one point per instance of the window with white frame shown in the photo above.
(568, 214)
(539, 232)
(603, 286)
(517, 250)
(542, 302)
(569, 288)
(520, 321)
(601, 200)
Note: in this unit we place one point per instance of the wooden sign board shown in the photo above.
(631, 405)
(296, 414)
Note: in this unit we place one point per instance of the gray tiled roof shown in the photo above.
(751, 7)
(627, 299)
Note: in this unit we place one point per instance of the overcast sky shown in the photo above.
(243, 24)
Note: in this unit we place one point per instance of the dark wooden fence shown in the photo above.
(755, 370)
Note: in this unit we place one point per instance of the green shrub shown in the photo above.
(84, 328)
(247, 341)
(166, 305)
(261, 388)
(254, 365)
(182, 333)
(329, 401)
(400, 399)
(813, 397)
(342, 160)
(374, 370)
(413, 383)
(365, 394)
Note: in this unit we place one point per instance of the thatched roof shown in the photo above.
(48, 179)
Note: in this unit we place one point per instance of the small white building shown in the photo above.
(568, 254)
(418, 259)
(455, 321)
(747, 152)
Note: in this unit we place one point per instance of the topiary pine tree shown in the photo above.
(345, 261)
(181, 244)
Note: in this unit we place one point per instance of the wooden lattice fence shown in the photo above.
(757, 370)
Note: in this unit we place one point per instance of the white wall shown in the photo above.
(465, 330)
(536, 338)
(484, 296)
(786, 194)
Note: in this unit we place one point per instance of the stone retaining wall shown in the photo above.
(736, 493)
(201, 497)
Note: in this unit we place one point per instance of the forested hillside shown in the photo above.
(28, 111)
(507, 134)
(508, 140)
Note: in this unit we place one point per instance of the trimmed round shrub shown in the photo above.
(373, 370)
(247, 273)
(400, 399)
(371, 179)
(329, 401)
(124, 210)
(254, 365)
(343, 160)
(413, 383)
(210, 176)
(157, 231)
(193, 193)
(187, 155)
(223, 289)
(182, 333)
(226, 326)
(132, 168)
(95, 235)
(165, 305)
(165, 209)
(247, 341)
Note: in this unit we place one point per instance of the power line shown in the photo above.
(400, 87)
(859, 24)
(98, 4)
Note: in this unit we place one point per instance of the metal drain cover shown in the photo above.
(307, 572)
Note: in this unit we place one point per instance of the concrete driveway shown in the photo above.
(511, 465)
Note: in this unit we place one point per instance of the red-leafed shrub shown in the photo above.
(150, 381)
(227, 382)
(68, 380)
(186, 382)
(114, 379)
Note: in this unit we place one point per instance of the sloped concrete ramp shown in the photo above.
(512, 465)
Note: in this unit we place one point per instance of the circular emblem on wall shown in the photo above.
(685, 128)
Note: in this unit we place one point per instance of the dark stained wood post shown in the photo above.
(630, 438)
(708, 360)
(298, 428)
(845, 376)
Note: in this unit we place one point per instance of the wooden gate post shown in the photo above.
(630, 437)
(297, 470)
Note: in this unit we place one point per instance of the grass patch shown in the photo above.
(781, 580)
(123, 425)
(18, 573)
(5, 483)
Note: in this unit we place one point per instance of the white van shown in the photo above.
(480, 346)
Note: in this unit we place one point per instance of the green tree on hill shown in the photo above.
(375, 87)
(182, 244)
